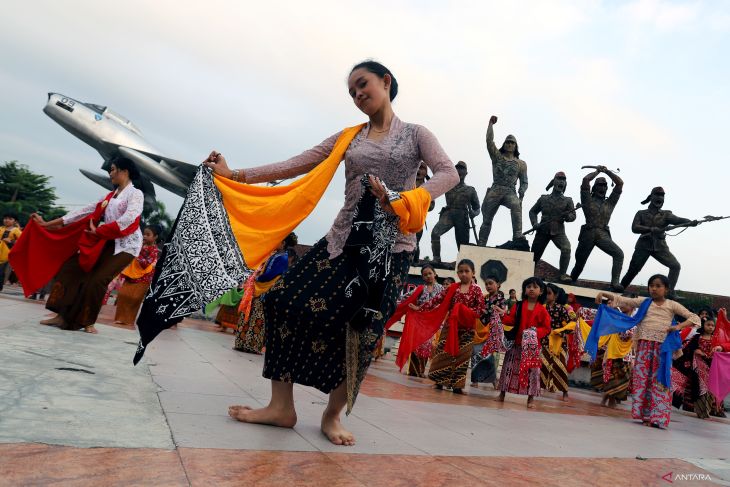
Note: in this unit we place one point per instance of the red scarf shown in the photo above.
(420, 325)
(39, 253)
(721, 337)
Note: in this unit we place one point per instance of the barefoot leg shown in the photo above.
(565, 396)
(331, 425)
(55, 321)
(280, 411)
(530, 402)
(501, 397)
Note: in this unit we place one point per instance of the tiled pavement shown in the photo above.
(164, 422)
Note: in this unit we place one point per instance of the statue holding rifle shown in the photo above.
(556, 209)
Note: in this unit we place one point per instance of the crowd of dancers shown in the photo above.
(543, 339)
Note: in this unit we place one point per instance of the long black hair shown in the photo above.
(380, 71)
(539, 283)
(561, 297)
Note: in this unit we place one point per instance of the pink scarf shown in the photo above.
(719, 380)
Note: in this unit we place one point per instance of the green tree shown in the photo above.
(24, 192)
(157, 215)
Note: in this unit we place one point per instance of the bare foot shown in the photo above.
(565, 397)
(335, 432)
(91, 329)
(530, 405)
(267, 415)
(55, 321)
(500, 398)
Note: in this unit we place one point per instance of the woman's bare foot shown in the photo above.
(334, 431)
(268, 415)
(604, 400)
(565, 397)
(500, 398)
(55, 321)
(530, 402)
(91, 329)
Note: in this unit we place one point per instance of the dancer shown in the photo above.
(611, 371)
(554, 370)
(9, 232)
(694, 366)
(484, 357)
(324, 316)
(137, 277)
(89, 253)
(528, 319)
(654, 325)
(448, 363)
(251, 316)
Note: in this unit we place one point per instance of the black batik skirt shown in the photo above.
(308, 339)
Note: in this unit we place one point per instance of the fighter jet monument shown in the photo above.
(112, 135)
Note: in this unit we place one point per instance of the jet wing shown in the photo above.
(184, 170)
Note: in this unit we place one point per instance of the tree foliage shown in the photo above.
(24, 192)
(157, 215)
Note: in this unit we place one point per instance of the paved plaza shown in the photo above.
(74, 411)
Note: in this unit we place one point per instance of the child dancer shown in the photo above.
(554, 370)
(464, 302)
(483, 359)
(695, 365)
(652, 401)
(419, 358)
(528, 315)
(138, 277)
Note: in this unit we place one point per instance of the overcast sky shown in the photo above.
(640, 85)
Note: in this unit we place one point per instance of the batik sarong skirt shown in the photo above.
(308, 340)
(483, 369)
(509, 378)
(652, 401)
(553, 372)
(129, 300)
(250, 334)
(447, 370)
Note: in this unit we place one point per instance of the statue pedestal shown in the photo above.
(519, 264)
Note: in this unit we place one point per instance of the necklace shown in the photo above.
(379, 131)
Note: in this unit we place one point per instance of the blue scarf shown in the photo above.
(671, 343)
(609, 321)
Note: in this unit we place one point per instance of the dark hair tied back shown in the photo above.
(124, 164)
(291, 240)
(380, 71)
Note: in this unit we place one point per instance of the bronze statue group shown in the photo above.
(320, 319)
(550, 213)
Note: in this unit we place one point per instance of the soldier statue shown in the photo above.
(462, 205)
(650, 223)
(507, 168)
(556, 209)
(421, 177)
(597, 210)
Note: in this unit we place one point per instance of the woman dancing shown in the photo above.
(325, 315)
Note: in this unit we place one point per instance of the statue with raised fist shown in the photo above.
(507, 169)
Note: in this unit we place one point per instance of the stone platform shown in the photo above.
(73, 411)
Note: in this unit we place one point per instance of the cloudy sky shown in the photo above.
(637, 85)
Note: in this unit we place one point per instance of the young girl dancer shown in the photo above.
(484, 359)
(652, 401)
(526, 315)
(324, 316)
(137, 277)
(418, 359)
(449, 366)
(554, 369)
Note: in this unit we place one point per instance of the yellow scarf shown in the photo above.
(261, 216)
(135, 270)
